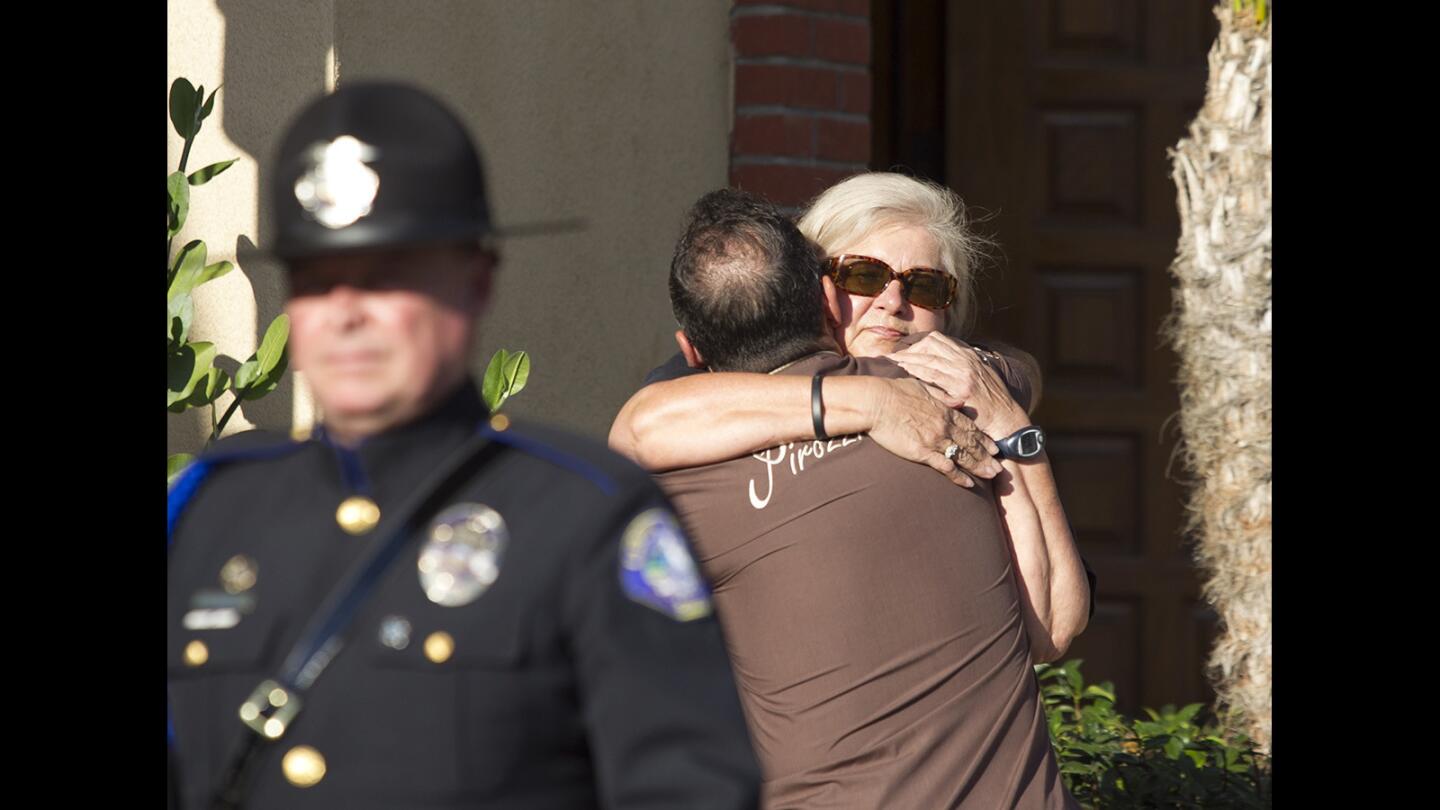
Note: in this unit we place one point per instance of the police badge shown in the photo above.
(338, 188)
(462, 558)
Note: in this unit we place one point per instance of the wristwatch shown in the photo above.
(1025, 443)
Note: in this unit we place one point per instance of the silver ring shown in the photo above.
(952, 452)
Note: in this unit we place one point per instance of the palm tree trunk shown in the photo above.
(1220, 325)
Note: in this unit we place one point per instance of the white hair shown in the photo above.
(853, 209)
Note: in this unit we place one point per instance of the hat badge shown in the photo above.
(338, 188)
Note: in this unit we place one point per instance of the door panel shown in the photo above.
(1058, 114)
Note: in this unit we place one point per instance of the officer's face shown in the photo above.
(383, 335)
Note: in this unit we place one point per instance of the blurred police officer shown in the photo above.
(424, 605)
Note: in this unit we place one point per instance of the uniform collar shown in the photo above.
(407, 452)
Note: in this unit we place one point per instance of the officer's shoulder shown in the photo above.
(581, 456)
(236, 452)
(228, 454)
(250, 445)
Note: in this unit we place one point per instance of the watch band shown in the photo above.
(1025, 443)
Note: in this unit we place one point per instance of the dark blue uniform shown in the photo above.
(575, 679)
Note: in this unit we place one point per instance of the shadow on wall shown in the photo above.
(275, 60)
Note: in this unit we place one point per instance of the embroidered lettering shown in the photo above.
(776, 455)
(770, 463)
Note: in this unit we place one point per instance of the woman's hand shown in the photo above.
(966, 381)
(912, 421)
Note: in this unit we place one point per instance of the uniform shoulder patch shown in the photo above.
(656, 568)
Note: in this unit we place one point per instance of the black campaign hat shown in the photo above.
(376, 164)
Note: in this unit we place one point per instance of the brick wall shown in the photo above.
(802, 96)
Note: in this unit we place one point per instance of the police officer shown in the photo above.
(424, 605)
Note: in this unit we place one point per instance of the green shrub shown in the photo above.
(193, 380)
(1173, 760)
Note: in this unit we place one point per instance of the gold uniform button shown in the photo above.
(303, 766)
(499, 421)
(439, 646)
(238, 575)
(357, 515)
(196, 653)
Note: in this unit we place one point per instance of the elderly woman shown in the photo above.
(902, 256)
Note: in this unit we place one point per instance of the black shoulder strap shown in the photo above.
(271, 709)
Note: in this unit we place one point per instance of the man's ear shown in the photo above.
(692, 354)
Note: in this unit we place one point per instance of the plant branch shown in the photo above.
(229, 412)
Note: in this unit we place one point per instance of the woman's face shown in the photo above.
(873, 326)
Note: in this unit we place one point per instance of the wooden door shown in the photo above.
(1057, 117)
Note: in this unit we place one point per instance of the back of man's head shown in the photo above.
(745, 284)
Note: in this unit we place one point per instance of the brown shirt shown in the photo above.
(873, 621)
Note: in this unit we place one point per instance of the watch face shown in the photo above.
(1030, 442)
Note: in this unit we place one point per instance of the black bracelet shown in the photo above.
(817, 413)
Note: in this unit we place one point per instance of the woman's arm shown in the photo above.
(1054, 591)
(707, 418)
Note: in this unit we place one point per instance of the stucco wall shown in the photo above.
(607, 119)
(270, 56)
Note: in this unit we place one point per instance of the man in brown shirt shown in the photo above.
(869, 605)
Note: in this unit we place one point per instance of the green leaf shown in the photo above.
(183, 103)
(266, 383)
(200, 177)
(199, 96)
(272, 346)
(517, 373)
(269, 361)
(211, 386)
(1072, 676)
(185, 367)
(175, 465)
(177, 191)
(189, 266)
(209, 106)
(492, 383)
(1145, 729)
(213, 271)
(248, 372)
(181, 311)
(504, 377)
(1094, 690)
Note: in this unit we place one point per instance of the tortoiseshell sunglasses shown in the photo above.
(924, 287)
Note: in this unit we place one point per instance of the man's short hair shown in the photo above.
(745, 284)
